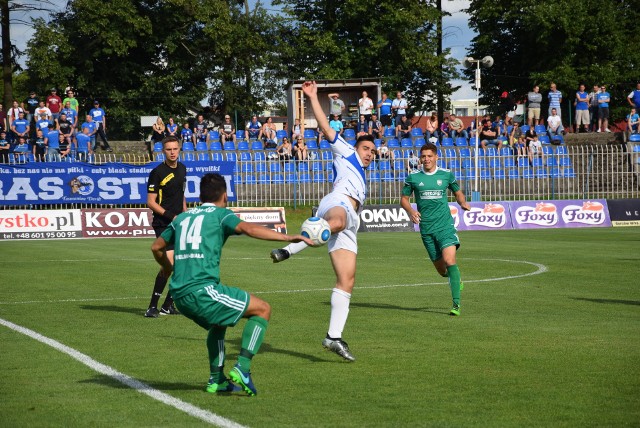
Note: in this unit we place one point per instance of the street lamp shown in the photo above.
(468, 62)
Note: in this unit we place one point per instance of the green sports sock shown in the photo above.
(252, 337)
(215, 346)
(454, 283)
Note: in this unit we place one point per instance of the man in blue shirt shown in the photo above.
(384, 108)
(555, 98)
(603, 110)
(252, 129)
(336, 124)
(72, 115)
(633, 123)
(83, 145)
(91, 125)
(20, 127)
(582, 109)
(634, 98)
(100, 119)
(52, 141)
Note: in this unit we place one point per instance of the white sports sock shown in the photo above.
(339, 312)
(296, 247)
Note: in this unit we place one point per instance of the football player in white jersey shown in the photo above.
(340, 209)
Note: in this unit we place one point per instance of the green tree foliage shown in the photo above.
(157, 56)
(394, 40)
(567, 42)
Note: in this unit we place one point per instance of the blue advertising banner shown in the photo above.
(113, 183)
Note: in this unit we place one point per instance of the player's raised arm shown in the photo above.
(260, 232)
(310, 89)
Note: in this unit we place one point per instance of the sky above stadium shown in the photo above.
(457, 34)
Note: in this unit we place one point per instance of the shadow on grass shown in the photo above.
(395, 307)
(237, 344)
(611, 301)
(114, 308)
(164, 386)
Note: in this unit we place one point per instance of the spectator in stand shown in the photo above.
(403, 130)
(30, 104)
(456, 127)
(39, 148)
(499, 126)
(488, 134)
(158, 131)
(365, 106)
(20, 127)
(42, 109)
(171, 129)
(336, 106)
(534, 99)
(268, 134)
(42, 123)
(83, 145)
(65, 128)
(93, 129)
(252, 130)
(12, 115)
(634, 97)
(593, 108)
(336, 124)
(384, 153)
(20, 149)
(517, 141)
(633, 123)
(212, 136)
(296, 130)
(4, 147)
(603, 109)
(228, 130)
(54, 103)
(64, 148)
(384, 109)
(285, 150)
(186, 134)
(51, 140)
(431, 127)
(100, 118)
(555, 99)
(554, 124)
(445, 132)
(300, 151)
(73, 102)
(200, 130)
(362, 128)
(582, 109)
(375, 127)
(508, 107)
(3, 119)
(399, 107)
(72, 115)
(413, 162)
(529, 136)
(535, 150)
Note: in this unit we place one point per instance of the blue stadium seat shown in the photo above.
(232, 157)
(547, 150)
(461, 142)
(568, 173)
(309, 133)
(324, 144)
(636, 148)
(312, 145)
(498, 174)
(250, 179)
(201, 146)
(215, 146)
(188, 157)
(458, 174)
(492, 151)
(277, 178)
(203, 156)
(281, 133)
(256, 145)
(441, 163)
(290, 177)
(406, 142)
(246, 167)
(326, 155)
(472, 142)
(564, 161)
(384, 165)
(470, 174)
(447, 142)
(495, 162)
(238, 178)
(261, 167)
(537, 162)
(275, 167)
(228, 145)
(634, 138)
(454, 164)
(217, 157)
(388, 176)
(513, 173)
(524, 128)
(245, 156)
(316, 166)
(523, 162)
(304, 177)
(214, 136)
(239, 134)
(561, 150)
(352, 141)
(558, 139)
(416, 132)
(485, 174)
(450, 153)
(544, 139)
(389, 132)
(541, 172)
(160, 157)
(330, 176)
(393, 143)
(527, 172)
(540, 130)
(506, 151)
(318, 177)
(289, 167)
(243, 145)
(303, 167)
(509, 162)
(259, 156)
(554, 172)
(552, 161)
(264, 179)
(187, 146)
(465, 152)
(398, 164)
(349, 133)
(419, 142)
(467, 163)
(481, 151)
(157, 147)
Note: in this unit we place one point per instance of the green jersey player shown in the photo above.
(198, 236)
(429, 185)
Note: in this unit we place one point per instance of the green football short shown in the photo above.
(214, 305)
(437, 241)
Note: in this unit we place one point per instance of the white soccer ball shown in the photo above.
(317, 229)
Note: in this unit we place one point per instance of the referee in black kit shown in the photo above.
(165, 197)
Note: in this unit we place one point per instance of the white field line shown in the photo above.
(132, 383)
(540, 269)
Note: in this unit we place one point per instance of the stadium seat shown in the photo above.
(259, 156)
(374, 176)
(349, 133)
(498, 174)
(281, 133)
(523, 162)
(470, 174)
(527, 173)
(547, 150)
(458, 174)
(524, 128)
(289, 167)
(277, 178)
(187, 146)
(509, 162)
(561, 150)
(495, 162)
(636, 148)
(568, 173)
(482, 162)
(250, 179)
(309, 133)
(464, 152)
(393, 143)
(419, 142)
(239, 135)
(398, 164)
(304, 177)
(256, 145)
(506, 151)
(537, 162)
(217, 157)
(485, 174)
(316, 165)
(552, 161)
(389, 132)
(312, 145)
(541, 172)
(558, 139)
(384, 165)
(275, 167)
(238, 178)
(290, 177)
(318, 177)
(491, 151)
(324, 144)
(481, 151)
(416, 132)
(203, 156)
(513, 173)
(214, 136)
(228, 145)
(201, 146)
(406, 142)
(157, 147)
(303, 167)
(188, 157)
(634, 138)
(215, 146)
(243, 145)
(352, 141)
(246, 168)
(554, 172)
(454, 164)
(544, 139)
(232, 157)
(261, 167)
(264, 179)
(326, 155)
(564, 161)
(472, 141)
(447, 142)
(330, 176)
(245, 156)
(388, 176)
(461, 142)
(540, 130)
(450, 153)
(160, 157)
(467, 163)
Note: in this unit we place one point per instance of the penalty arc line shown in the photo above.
(132, 383)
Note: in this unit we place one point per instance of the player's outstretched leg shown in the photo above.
(280, 254)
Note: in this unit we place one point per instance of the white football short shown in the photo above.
(346, 239)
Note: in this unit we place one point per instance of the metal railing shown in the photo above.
(565, 172)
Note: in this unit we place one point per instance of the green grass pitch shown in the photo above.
(555, 344)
